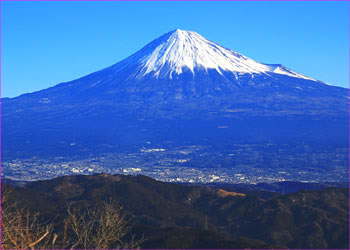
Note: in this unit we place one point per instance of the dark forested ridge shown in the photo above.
(179, 216)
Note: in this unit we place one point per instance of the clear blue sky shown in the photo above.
(45, 43)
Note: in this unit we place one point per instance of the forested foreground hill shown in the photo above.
(167, 215)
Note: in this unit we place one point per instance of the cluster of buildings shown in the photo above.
(195, 164)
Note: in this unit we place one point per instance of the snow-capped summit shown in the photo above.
(180, 50)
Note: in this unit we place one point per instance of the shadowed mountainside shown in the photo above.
(179, 216)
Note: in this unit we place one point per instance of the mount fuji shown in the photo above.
(178, 89)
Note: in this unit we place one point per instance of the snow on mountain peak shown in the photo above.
(181, 50)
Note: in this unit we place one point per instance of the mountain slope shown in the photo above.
(182, 83)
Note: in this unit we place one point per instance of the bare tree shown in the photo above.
(21, 229)
(101, 227)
